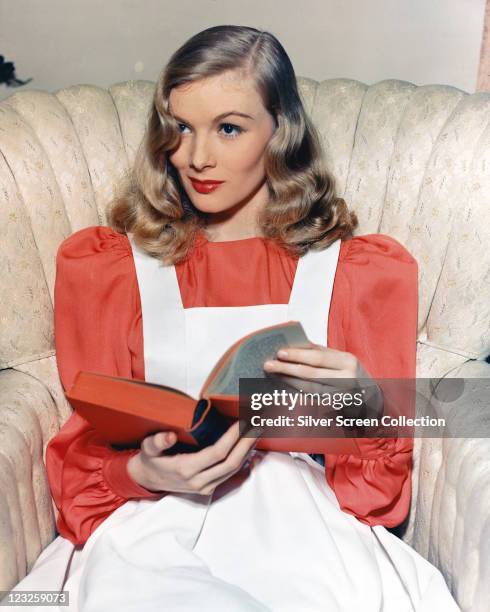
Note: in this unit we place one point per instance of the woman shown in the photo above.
(229, 528)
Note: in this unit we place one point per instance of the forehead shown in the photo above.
(228, 91)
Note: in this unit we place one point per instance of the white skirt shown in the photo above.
(271, 538)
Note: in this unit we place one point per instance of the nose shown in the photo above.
(201, 154)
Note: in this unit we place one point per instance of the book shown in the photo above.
(124, 411)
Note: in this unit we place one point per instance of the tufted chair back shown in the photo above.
(413, 162)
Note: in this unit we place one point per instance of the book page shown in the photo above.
(248, 361)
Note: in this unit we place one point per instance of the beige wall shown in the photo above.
(62, 42)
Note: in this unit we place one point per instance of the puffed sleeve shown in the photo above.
(375, 305)
(96, 300)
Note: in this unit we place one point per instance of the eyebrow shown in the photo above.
(218, 117)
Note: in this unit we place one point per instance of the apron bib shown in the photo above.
(181, 346)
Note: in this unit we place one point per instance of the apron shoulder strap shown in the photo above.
(312, 291)
(156, 277)
(163, 315)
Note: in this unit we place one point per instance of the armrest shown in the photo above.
(28, 419)
(451, 522)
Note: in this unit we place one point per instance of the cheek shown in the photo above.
(178, 158)
(245, 159)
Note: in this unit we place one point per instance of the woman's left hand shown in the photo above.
(300, 367)
(316, 362)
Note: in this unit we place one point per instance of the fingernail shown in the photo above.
(282, 353)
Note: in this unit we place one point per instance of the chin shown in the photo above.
(211, 209)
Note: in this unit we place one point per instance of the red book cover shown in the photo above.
(125, 411)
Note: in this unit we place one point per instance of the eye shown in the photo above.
(231, 130)
(233, 127)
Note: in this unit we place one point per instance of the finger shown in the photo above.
(216, 452)
(154, 445)
(313, 356)
(215, 483)
(298, 370)
(232, 464)
(233, 461)
(318, 356)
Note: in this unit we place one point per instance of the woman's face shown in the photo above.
(219, 144)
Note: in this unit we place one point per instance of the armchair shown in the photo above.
(412, 161)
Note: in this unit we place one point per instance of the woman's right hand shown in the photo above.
(199, 472)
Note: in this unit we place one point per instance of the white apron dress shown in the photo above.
(270, 538)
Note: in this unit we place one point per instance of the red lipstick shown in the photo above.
(206, 186)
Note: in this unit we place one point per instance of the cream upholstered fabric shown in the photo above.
(411, 161)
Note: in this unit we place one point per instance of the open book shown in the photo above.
(124, 411)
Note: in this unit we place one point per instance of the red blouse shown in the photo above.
(98, 327)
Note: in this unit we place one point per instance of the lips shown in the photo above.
(205, 186)
(206, 182)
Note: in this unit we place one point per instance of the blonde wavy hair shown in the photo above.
(303, 210)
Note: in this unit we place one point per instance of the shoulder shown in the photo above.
(378, 269)
(376, 250)
(377, 279)
(94, 254)
(93, 240)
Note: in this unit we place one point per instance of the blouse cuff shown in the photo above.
(115, 473)
(376, 486)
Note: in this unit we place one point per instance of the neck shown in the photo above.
(238, 223)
